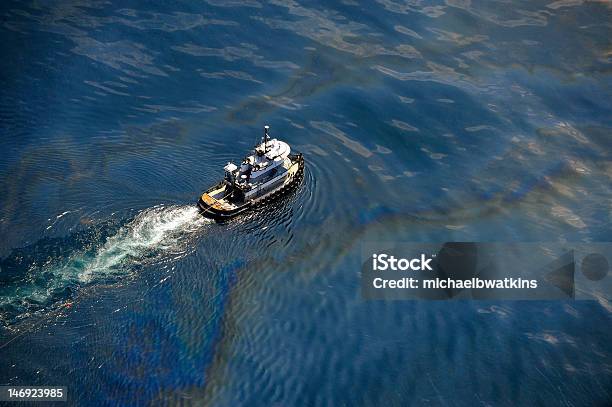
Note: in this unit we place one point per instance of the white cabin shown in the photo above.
(262, 170)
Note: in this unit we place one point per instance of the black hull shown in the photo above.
(221, 215)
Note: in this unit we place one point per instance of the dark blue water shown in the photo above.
(420, 121)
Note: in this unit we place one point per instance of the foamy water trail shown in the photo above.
(154, 231)
(155, 234)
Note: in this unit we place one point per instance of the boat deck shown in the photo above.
(221, 204)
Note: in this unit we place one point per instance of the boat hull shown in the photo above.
(218, 212)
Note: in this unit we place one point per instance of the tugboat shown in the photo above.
(270, 172)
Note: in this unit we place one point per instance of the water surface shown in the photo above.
(419, 121)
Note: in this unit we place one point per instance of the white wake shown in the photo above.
(156, 234)
(153, 232)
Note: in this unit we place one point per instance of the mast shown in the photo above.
(266, 136)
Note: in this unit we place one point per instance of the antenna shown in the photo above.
(266, 136)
